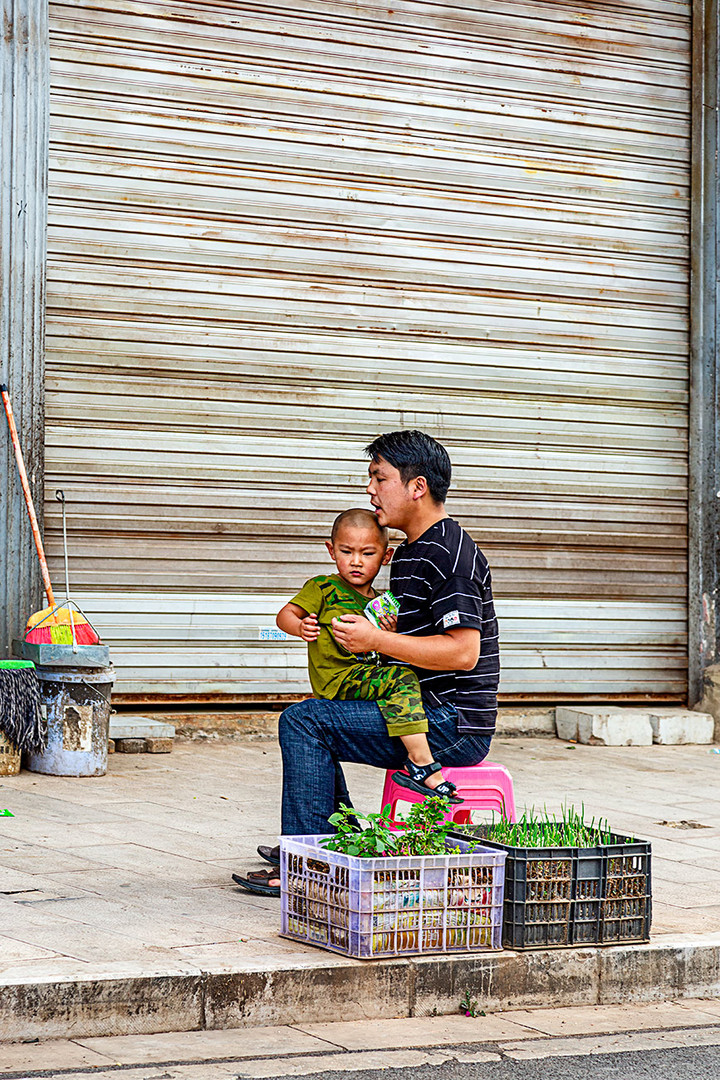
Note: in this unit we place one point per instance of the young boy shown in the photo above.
(359, 547)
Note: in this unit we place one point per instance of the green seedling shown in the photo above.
(469, 1006)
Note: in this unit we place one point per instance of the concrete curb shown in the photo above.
(121, 1000)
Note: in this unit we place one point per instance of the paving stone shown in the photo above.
(158, 746)
(15, 881)
(172, 841)
(675, 727)
(148, 861)
(635, 1042)
(180, 1046)
(359, 1062)
(45, 861)
(205, 1071)
(680, 895)
(705, 1005)
(51, 1055)
(12, 950)
(613, 1018)
(686, 873)
(129, 746)
(421, 1031)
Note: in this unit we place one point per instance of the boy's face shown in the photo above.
(358, 554)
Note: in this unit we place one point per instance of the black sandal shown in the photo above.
(415, 776)
(258, 881)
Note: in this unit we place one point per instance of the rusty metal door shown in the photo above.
(277, 230)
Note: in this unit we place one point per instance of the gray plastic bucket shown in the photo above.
(77, 703)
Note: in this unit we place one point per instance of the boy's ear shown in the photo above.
(331, 551)
(387, 556)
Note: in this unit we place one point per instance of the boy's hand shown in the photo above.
(356, 633)
(309, 628)
(388, 622)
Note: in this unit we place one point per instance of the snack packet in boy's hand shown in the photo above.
(385, 604)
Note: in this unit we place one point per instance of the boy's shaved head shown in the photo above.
(358, 519)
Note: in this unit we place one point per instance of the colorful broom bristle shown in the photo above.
(44, 628)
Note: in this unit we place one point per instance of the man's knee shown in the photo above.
(302, 716)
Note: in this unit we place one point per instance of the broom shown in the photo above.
(56, 624)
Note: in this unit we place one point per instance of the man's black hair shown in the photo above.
(413, 453)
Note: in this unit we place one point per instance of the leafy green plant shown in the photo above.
(423, 832)
(374, 840)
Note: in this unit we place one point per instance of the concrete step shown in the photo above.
(122, 999)
(131, 726)
(615, 726)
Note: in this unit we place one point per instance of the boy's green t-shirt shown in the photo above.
(329, 597)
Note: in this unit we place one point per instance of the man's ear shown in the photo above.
(387, 556)
(420, 487)
(331, 550)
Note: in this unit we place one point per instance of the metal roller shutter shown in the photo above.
(278, 229)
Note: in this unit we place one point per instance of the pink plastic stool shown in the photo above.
(487, 786)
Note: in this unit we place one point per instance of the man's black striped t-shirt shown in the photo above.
(442, 580)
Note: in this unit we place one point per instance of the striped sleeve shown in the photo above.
(458, 602)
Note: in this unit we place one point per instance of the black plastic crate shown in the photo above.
(575, 896)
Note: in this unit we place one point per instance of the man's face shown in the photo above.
(391, 499)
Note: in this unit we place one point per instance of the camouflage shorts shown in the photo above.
(396, 690)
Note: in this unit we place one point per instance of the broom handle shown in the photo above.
(28, 497)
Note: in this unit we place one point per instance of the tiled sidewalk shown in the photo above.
(135, 866)
(353, 1047)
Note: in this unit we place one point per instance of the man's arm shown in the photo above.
(454, 650)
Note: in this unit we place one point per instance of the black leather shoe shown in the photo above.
(269, 854)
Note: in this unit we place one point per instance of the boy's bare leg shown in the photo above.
(419, 752)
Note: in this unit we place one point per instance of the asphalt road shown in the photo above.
(691, 1063)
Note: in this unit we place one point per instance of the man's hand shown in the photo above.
(356, 634)
(309, 628)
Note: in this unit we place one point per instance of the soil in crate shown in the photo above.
(576, 896)
(387, 907)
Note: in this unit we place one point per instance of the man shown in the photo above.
(446, 631)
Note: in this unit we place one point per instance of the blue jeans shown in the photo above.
(316, 735)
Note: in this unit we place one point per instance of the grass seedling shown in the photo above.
(542, 830)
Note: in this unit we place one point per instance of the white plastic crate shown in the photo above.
(396, 906)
